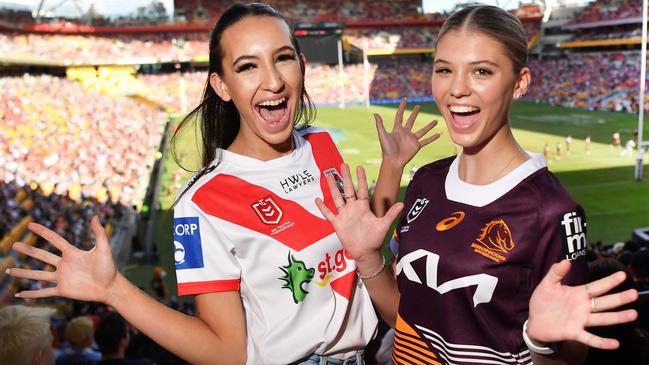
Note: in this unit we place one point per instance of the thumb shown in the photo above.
(557, 272)
(392, 213)
(100, 234)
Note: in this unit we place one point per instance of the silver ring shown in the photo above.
(590, 295)
(349, 197)
(359, 198)
(593, 305)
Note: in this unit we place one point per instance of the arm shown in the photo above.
(561, 313)
(92, 276)
(398, 147)
(362, 233)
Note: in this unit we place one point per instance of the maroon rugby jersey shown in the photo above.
(470, 257)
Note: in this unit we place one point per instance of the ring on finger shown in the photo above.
(349, 197)
(593, 305)
(363, 198)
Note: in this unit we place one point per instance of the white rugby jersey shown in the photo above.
(253, 226)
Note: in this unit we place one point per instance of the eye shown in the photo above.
(442, 71)
(483, 72)
(286, 57)
(246, 67)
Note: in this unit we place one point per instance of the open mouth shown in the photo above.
(464, 115)
(273, 111)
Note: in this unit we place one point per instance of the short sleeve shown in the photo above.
(204, 257)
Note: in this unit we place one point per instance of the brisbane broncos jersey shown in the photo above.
(253, 226)
(470, 257)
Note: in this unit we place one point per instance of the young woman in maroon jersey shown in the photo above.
(491, 261)
(245, 246)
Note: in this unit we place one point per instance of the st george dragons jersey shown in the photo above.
(253, 226)
(470, 257)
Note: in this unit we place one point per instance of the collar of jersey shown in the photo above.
(248, 163)
(481, 195)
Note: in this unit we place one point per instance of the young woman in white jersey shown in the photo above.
(272, 282)
(480, 273)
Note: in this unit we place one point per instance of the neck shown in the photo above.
(491, 161)
(262, 151)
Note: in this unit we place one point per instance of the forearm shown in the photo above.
(382, 288)
(570, 353)
(387, 187)
(189, 337)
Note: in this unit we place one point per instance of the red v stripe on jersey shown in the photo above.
(326, 156)
(231, 198)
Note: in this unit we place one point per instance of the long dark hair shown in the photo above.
(218, 119)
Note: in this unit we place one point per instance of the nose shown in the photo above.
(273, 80)
(459, 86)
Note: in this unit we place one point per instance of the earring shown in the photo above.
(517, 95)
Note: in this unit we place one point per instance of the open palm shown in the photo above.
(401, 144)
(571, 309)
(79, 274)
(358, 229)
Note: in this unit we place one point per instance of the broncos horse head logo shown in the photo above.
(295, 275)
(496, 236)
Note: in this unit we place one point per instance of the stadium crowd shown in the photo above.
(314, 11)
(604, 10)
(576, 81)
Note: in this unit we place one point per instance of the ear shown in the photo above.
(219, 86)
(522, 83)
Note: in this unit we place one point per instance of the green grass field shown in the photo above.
(601, 181)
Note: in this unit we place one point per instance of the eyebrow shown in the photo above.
(471, 63)
(251, 57)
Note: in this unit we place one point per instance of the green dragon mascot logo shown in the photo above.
(295, 275)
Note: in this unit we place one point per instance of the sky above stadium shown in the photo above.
(125, 7)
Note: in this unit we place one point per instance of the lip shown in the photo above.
(463, 122)
(281, 124)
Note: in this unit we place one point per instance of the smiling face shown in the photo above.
(262, 76)
(473, 84)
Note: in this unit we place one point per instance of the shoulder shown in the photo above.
(305, 130)
(554, 199)
(199, 181)
(439, 167)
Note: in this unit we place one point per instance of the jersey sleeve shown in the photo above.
(563, 236)
(205, 258)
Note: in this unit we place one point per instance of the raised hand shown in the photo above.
(359, 230)
(401, 144)
(559, 312)
(79, 274)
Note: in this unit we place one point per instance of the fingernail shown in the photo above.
(17, 295)
(7, 272)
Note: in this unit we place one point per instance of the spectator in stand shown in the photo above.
(79, 333)
(112, 337)
(634, 341)
(25, 336)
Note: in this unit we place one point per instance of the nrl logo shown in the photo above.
(416, 209)
(267, 210)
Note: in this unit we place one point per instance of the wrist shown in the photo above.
(392, 165)
(115, 290)
(539, 347)
(369, 263)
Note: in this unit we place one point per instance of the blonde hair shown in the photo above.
(23, 332)
(79, 330)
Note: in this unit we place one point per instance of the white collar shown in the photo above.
(481, 195)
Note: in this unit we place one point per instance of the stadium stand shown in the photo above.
(82, 113)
